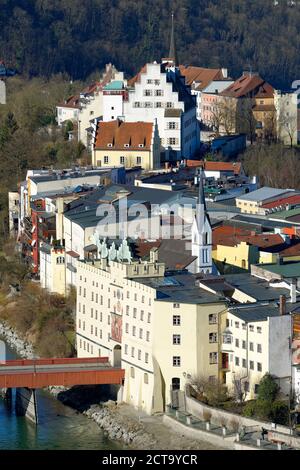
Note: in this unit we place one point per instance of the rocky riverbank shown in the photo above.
(122, 428)
(21, 347)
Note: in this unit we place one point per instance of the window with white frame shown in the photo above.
(106, 159)
(177, 339)
(176, 361)
(176, 320)
(213, 338)
(213, 358)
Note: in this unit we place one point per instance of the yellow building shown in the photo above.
(161, 329)
(251, 203)
(52, 268)
(242, 255)
(127, 143)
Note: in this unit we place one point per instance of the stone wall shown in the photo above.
(227, 442)
(228, 419)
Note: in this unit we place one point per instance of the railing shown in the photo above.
(58, 361)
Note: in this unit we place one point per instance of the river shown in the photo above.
(59, 427)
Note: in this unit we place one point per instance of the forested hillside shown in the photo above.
(44, 37)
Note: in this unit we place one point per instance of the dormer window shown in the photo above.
(126, 145)
(141, 146)
(109, 145)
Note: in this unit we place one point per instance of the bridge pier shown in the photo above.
(6, 394)
(26, 404)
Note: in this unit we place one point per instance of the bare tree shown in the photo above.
(246, 122)
(239, 388)
(287, 126)
(209, 391)
(223, 116)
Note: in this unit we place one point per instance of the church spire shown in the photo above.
(201, 203)
(201, 231)
(172, 51)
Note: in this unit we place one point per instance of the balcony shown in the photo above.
(227, 341)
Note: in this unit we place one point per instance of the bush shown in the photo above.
(249, 409)
(280, 412)
(263, 409)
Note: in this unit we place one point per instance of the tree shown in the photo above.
(239, 388)
(246, 122)
(287, 121)
(223, 116)
(273, 164)
(268, 389)
(8, 128)
(212, 392)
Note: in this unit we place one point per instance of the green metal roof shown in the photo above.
(115, 85)
(286, 270)
(285, 214)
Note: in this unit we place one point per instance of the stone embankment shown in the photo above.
(119, 427)
(21, 347)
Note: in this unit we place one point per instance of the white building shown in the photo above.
(286, 105)
(86, 107)
(114, 95)
(159, 92)
(256, 341)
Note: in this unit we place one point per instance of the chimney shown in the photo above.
(282, 305)
(293, 291)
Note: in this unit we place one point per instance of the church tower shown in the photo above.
(202, 232)
(172, 57)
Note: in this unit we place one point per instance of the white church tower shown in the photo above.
(202, 233)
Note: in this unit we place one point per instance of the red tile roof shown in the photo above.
(119, 133)
(282, 202)
(231, 236)
(235, 167)
(71, 102)
(200, 74)
(293, 250)
(247, 84)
